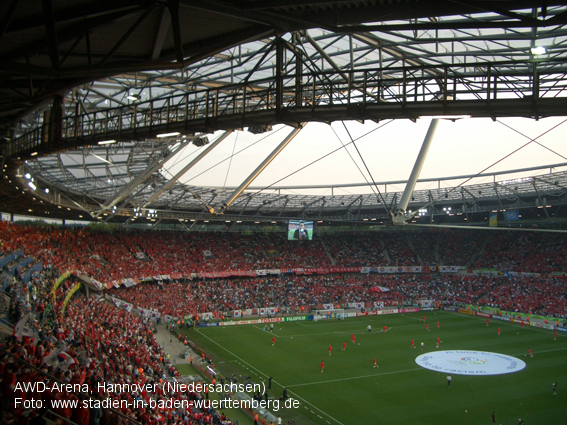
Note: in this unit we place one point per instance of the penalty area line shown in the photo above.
(260, 373)
(354, 377)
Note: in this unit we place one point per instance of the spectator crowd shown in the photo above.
(87, 341)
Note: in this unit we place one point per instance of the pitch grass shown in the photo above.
(351, 391)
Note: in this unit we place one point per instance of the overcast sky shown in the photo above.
(466, 146)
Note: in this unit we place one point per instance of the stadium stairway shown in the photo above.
(172, 346)
(5, 300)
(328, 252)
(477, 255)
(412, 246)
(6, 329)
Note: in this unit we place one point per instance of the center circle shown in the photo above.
(464, 362)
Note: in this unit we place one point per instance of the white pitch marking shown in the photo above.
(354, 377)
(296, 396)
(269, 332)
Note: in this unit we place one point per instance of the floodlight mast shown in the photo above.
(399, 217)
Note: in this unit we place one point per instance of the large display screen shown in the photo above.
(300, 230)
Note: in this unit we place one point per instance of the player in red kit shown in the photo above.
(438, 326)
(530, 351)
(322, 366)
(487, 321)
(344, 346)
(423, 319)
(555, 335)
(330, 349)
(273, 341)
(354, 340)
(375, 364)
(438, 342)
(427, 327)
(385, 329)
(498, 330)
(412, 345)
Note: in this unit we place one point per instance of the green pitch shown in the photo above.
(352, 391)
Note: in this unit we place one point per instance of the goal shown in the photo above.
(334, 313)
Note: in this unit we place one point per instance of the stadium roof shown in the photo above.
(77, 74)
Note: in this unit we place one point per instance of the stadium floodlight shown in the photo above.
(168, 135)
(107, 142)
(259, 129)
(444, 117)
(538, 50)
(201, 141)
(27, 176)
(33, 186)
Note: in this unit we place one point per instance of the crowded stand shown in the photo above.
(101, 345)
(119, 254)
(524, 252)
(106, 343)
(426, 246)
(528, 294)
(399, 250)
(111, 256)
(296, 293)
(351, 250)
(461, 246)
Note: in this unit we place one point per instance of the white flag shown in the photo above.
(21, 325)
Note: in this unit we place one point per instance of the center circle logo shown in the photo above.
(473, 360)
(461, 362)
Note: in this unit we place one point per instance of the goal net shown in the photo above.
(334, 313)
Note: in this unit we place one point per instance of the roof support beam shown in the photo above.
(400, 215)
(130, 187)
(51, 33)
(281, 21)
(191, 164)
(161, 33)
(541, 201)
(8, 17)
(261, 167)
(326, 56)
(173, 6)
(283, 206)
(125, 36)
